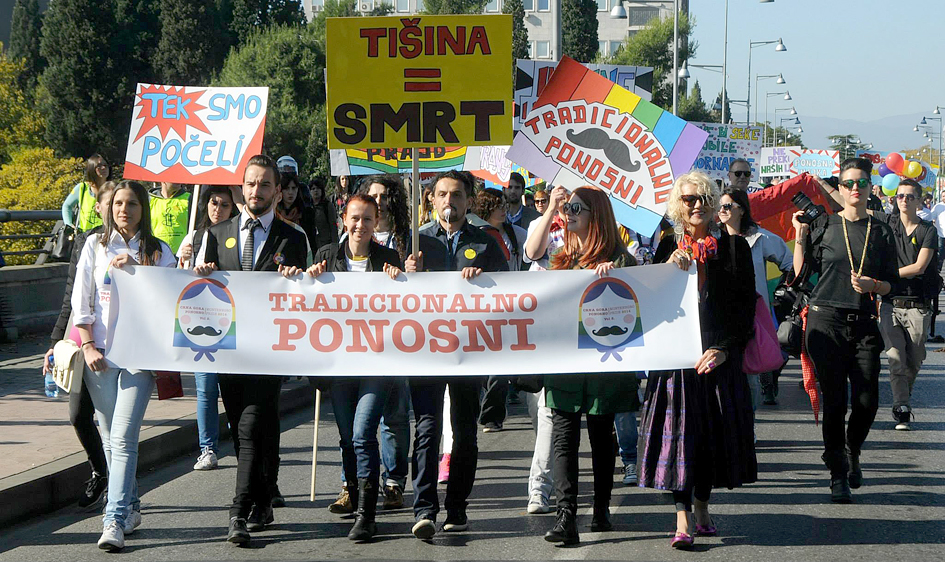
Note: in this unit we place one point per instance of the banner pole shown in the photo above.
(318, 411)
(416, 205)
(194, 198)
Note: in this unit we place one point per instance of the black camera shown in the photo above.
(811, 211)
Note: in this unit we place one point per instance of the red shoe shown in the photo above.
(682, 541)
(444, 469)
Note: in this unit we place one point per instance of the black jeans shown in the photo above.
(252, 408)
(82, 418)
(494, 399)
(842, 350)
(566, 436)
(427, 396)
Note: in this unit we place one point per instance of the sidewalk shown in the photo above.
(42, 458)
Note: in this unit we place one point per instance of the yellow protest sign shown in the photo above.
(419, 81)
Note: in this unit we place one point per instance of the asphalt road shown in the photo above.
(899, 514)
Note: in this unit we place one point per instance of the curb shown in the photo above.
(46, 488)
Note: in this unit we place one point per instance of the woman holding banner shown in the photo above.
(120, 395)
(696, 424)
(358, 402)
(590, 242)
(856, 257)
(216, 205)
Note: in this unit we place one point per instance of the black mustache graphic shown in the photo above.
(616, 151)
(611, 331)
(203, 331)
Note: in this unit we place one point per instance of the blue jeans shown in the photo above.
(395, 435)
(208, 413)
(358, 403)
(626, 425)
(120, 397)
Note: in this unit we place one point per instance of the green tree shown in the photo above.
(653, 46)
(22, 125)
(579, 29)
(333, 9)
(250, 14)
(691, 107)
(290, 61)
(846, 144)
(186, 52)
(24, 42)
(317, 163)
(34, 179)
(717, 108)
(519, 32)
(454, 6)
(81, 90)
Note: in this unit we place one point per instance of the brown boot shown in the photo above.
(345, 502)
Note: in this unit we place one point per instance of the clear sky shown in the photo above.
(862, 60)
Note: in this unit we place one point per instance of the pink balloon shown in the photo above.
(895, 162)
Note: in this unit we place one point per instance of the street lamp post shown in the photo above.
(725, 62)
(751, 45)
(939, 119)
(780, 80)
(797, 121)
(620, 13)
(787, 97)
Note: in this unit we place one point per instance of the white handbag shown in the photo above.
(68, 362)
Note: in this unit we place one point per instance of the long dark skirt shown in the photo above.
(692, 422)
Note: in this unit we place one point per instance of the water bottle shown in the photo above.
(52, 391)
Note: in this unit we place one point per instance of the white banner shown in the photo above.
(639, 318)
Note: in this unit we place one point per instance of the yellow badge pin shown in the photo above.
(470, 253)
(230, 242)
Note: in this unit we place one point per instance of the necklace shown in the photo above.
(866, 243)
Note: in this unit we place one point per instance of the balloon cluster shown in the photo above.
(894, 167)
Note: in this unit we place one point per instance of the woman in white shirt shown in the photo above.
(120, 395)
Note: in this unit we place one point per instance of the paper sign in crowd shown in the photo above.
(725, 144)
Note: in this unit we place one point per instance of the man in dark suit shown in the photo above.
(449, 243)
(254, 240)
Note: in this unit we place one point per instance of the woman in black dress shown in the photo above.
(696, 424)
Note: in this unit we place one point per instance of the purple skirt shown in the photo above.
(693, 422)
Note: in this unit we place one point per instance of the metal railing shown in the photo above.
(31, 216)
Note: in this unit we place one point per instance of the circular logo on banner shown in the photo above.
(230, 243)
(206, 318)
(609, 319)
(470, 253)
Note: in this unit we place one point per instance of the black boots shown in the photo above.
(565, 529)
(600, 520)
(856, 474)
(839, 466)
(364, 527)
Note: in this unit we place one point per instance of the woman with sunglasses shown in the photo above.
(590, 242)
(735, 216)
(855, 255)
(696, 424)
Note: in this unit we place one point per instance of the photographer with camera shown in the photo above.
(905, 314)
(855, 255)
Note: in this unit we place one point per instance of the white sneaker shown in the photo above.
(132, 522)
(113, 538)
(629, 474)
(538, 504)
(207, 460)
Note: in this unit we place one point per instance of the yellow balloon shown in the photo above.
(912, 169)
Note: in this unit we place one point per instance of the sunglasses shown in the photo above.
(862, 183)
(574, 208)
(541, 201)
(740, 174)
(905, 196)
(727, 207)
(690, 200)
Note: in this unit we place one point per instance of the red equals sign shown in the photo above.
(422, 86)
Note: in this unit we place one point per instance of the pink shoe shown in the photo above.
(444, 469)
(706, 530)
(682, 541)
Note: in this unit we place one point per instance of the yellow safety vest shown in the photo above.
(88, 218)
(169, 218)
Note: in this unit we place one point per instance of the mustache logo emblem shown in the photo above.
(616, 151)
(204, 331)
(611, 331)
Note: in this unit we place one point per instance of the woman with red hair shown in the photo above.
(591, 241)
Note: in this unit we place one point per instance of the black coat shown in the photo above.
(283, 239)
(727, 313)
(334, 254)
(59, 331)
